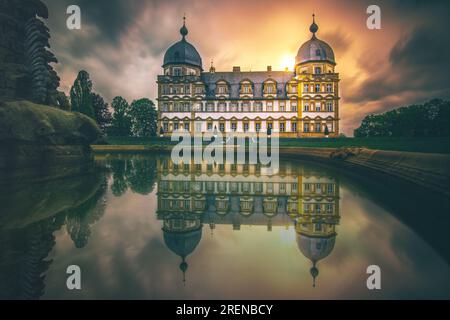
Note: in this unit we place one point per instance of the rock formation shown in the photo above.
(33, 132)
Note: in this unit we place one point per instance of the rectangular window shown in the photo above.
(294, 127)
(258, 126)
(317, 208)
(269, 106)
(187, 89)
(282, 107)
(246, 126)
(166, 127)
(270, 125)
(246, 89)
(317, 106)
(306, 107)
(233, 126)
(186, 126)
(234, 107)
(210, 126)
(222, 127)
(222, 89)
(222, 106)
(305, 88)
(329, 106)
(210, 107)
(282, 126)
(318, 127)
(317, 70)
(245, 106)
(306, 127)
(330, 188)
(177, 72)
(306, 207)
(175, 126)
(329, 208)
(294, 107)
(199, 90)
(258, 106)
(329, 87)
(317, 88)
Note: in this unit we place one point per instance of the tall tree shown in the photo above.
(121, 121)
(101, 111)
(81, 95)
(143, 118)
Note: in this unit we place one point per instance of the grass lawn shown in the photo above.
(428, 145)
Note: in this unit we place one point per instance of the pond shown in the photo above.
(140, 227)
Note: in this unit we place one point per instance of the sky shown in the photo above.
(121, 44)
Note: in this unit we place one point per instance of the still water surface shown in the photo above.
(141, 228)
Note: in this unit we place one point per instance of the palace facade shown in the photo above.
(299, 103)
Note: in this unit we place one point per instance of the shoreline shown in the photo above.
(428, 170)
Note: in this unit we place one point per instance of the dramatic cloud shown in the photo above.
(122, 44)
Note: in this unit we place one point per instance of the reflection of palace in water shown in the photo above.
(192, 195)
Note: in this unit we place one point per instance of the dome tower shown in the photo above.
(182, 58)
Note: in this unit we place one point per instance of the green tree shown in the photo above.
(121, 120)
(144, 118)
(431, 119)
(101, 110)
(81, 95)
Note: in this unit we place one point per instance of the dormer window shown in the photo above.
(246, 89)
(199, 90)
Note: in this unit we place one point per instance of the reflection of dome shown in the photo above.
(314, 49)
(182, 243)
(183, 52)
(315, 248)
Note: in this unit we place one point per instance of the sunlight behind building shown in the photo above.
(287, 61)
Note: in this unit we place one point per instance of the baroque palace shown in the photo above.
(229, 195)
(299, 103)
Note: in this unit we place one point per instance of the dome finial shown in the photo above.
(184, 31)
(314, 273)
(183, 268)
(314, 27)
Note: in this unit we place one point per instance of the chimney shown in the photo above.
(236, 69)
(269, 68)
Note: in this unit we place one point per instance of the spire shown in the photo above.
(183, 268)
(314, 273)
(212, 69)
(314, 27)
(184, 31)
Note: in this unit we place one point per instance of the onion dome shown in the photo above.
(182, 52)
(314, 49)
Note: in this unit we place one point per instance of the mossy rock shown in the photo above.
(33, 135)
(23, 122)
